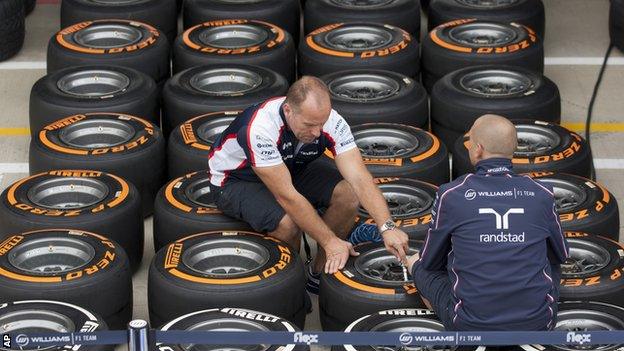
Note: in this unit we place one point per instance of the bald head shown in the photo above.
(496, 135)
(308, 91)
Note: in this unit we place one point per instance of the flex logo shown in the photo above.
(577, 338)
(502, 221)
(306, 338)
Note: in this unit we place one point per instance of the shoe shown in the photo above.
(365, 233)
(312, 281)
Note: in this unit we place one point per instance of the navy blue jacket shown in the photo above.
(497, 234)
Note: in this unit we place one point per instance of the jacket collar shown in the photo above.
(494, 166)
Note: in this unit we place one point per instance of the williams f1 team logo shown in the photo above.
(502, 221)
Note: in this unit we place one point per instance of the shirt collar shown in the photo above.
(494, 166)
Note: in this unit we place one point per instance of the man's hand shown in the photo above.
(411, 260)
(396, 242)
(337, 252)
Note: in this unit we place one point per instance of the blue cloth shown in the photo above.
(498, 239)
(365, 233)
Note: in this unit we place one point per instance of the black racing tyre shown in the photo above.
(220, 87)
(468, 43)
(370, 282)
(239, 319)
(286, 14)
(85, 200)
(458, 99)
(396, 150)
(12, 28)
(410, 202)
(111, 42)
(29, 6)
(185, 206)
(51, 317)
(594, 270)
(371, 96)
(190, 143)
(542, 147)
(236, 41)
(75, 90)
(124, 145)
(616, 23)
(161, 14)
(70, 266)
(404, 14)
(583, 205)
(215, 269)
(344, 46)
(577, 317)
(526, 12)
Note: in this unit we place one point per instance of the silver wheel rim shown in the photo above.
(482, 34)
(356, 38)
(410, 325)
(586, 320)
(108, 36)
(226, 258)
(404, 201)
(226, 325)
(93, 83)
(362, 3)
(209, 131)
(51, 256)
(585, 258)
(381, 266)
(233, 36)
(567, 195)
(226, 81)
(534, 140)
(35, 321)
(68, 193)
(363, 87)
(199, 193)
(380, 142)
(96, 133)
(487, 3)
(493, 83)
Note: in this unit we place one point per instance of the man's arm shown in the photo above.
(438, 243)
(354, 171)
(278, 180)
(556, 240)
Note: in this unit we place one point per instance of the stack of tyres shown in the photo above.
(404, 14)
(238, 41)
(161, 14)
(12, 28)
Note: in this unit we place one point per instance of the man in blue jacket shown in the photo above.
(492, 254)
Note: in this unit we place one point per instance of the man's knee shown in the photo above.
(344, 197)
(286, 230)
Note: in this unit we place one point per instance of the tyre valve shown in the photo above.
(405, 278)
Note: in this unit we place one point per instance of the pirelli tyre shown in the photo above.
(594, 270)
(219, 87)
(185, 206)
(46, 316)
(228, 318)
(84, 200)
(284, 13)
(161, 14)
(469, 42)
(461, 97)
(12, 28)
(111, 42)
(123, 145)
(215, 269)
(368, 283)
(404, 14)
(75, 90)
(541, 147)
(191, 143)
(616, 23)
(526, 12)
(370, 96)
(582, 204)
(70, 266)
(343, 46)
(410, 202)
(236, 41)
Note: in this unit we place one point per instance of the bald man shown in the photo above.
(262, 172)
(492, 254)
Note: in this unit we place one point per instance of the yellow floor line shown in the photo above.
(14, 131)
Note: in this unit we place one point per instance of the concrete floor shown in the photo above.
(577, 38)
